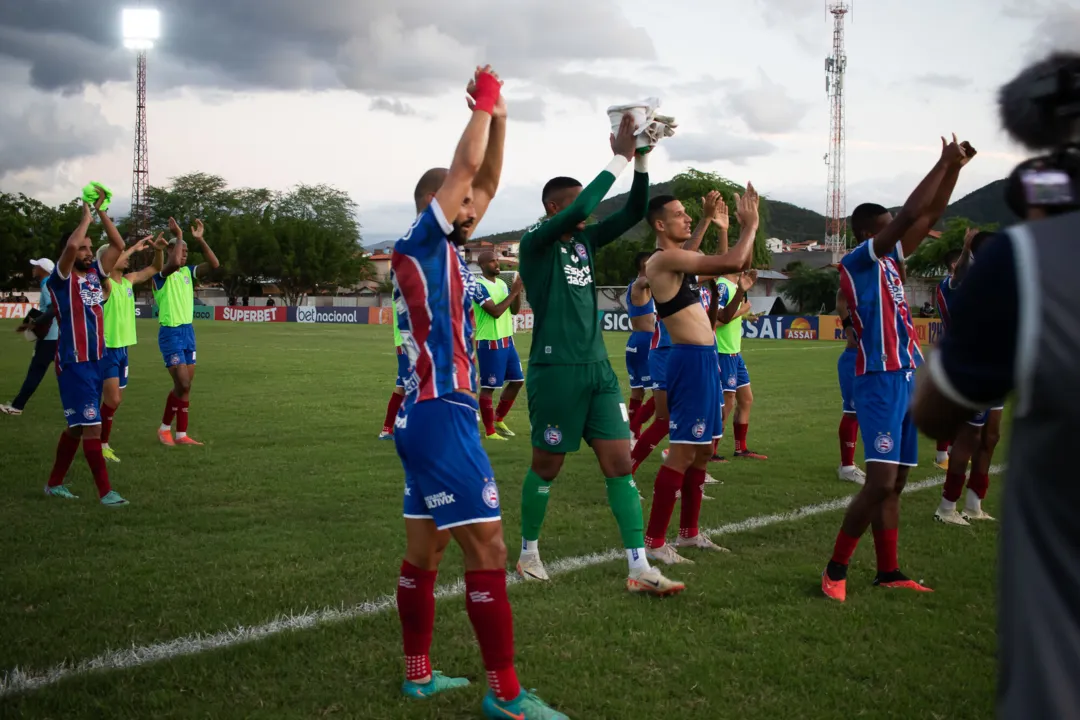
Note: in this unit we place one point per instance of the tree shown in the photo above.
(929, 259)
(693, 185)
(30, 229)
(812, 290)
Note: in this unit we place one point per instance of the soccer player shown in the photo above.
(174, 293)
(736, 380)
(398, 396)
(845, 372)
(47, 332)
(977, 439)
(887, 357)
(77, 294)
(119, 320)
(642, 312)
(694, 392)
(712, 204)
(450, 487)
(495, 306)
(573, 392)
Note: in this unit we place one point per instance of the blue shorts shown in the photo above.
(695, 399)
(498, 365)
(637, 359)
(881, 406)
(177, 345)
(980, 419)
(845, 371)
(448, 477)
(115, 365)
(402, 368)
(733, 372)
(80, 392)
(658, 359)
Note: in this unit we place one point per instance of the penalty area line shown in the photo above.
(18, 681)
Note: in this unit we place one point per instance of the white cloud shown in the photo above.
(714, 146)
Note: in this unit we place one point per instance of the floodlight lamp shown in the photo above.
(141, 27)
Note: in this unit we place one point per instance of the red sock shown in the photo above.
(182, 415)
(668, 482)
(692, 488)
(489, 613)
(171, 404)
(92, 450)
(416, 609)
(978, 483)
(943, 445)
(107, 413)
(648, 442)
(849, 435)
(844, 548)
(504, 408)
(885, 547)
(487, 413)
(65, 453)
(954, 485)
(392, 408)
(715, 446)
(642, 416)
(635, 405)
(740, 436)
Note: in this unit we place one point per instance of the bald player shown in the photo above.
(494, 306)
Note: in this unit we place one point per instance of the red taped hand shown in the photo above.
(486, 93)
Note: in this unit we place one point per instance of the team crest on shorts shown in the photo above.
(883, 443)
(553, 435)
(490, 494)
(89, 412)
(491, 379)
(174, 360)
(699, 429)
(731, 381)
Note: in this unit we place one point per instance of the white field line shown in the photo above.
(17, 680)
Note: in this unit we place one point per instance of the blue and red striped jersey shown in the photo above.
(944, 297)
(433, 296)
(879, 311)
(660, 337)
(78, 302)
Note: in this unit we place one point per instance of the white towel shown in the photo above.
(649, 127)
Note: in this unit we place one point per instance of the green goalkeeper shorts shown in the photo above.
(571, 402)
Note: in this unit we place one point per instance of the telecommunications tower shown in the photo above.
(836, 195)
(141, 27)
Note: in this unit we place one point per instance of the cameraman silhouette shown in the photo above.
(1016, 327)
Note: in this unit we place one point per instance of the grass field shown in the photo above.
(293, 507)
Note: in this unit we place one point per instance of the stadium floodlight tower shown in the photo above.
(141, 27)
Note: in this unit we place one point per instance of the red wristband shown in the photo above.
(487, 92)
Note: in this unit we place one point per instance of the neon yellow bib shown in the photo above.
(488, 327)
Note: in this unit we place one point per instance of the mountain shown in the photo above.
(795, 224)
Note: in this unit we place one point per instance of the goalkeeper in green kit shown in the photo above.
(572, 391)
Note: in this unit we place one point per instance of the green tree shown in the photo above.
(812, 290)
(929, 259)
(30, 229)
(693, 185)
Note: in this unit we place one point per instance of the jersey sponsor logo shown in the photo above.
(896, 287)
(698, 430)
(90, 291)
(68, 412)
(90, 412)
(438, 500)
(490, 494)
(552, 435)
(578, 276)
(883, 443)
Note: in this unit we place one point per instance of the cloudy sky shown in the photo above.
(367, 95)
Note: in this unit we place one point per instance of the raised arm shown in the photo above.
(924, 206)
(722, 222)
(487, 178)
(472, 147)
(735, 307)
(625, 218)
(176, 250)
(708, 210)
(211, 259)
(964, 262)
(150, 270)
(71, 250)
(495, 309)
(116, 242)
(566, 221)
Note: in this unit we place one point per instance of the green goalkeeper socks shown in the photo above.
(534, 502)
(626, 506)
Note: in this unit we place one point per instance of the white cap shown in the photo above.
(45, 264)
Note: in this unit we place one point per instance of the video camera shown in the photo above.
(1040, 108)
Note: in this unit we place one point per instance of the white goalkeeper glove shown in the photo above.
(649, 127)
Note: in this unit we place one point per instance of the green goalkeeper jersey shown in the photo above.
(559, 276)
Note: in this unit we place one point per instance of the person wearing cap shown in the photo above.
(44, 327)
